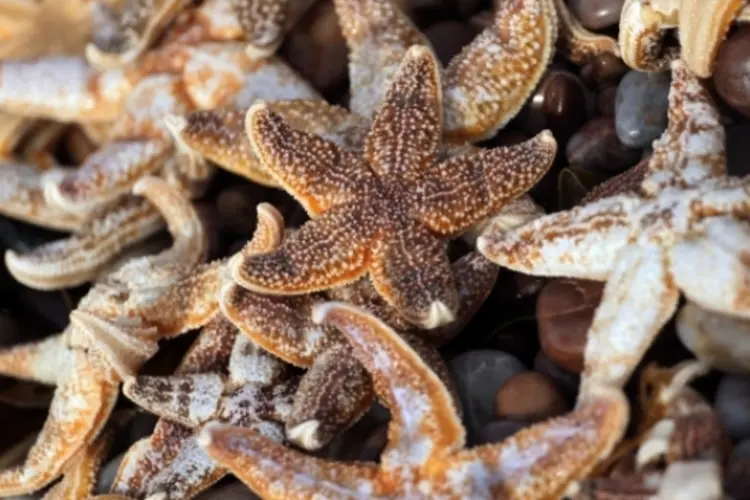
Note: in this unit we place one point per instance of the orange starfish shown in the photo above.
(380, 213)
(425, 456)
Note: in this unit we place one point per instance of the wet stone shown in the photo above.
(732, 404)
(595, 146)
(564, 380)
(604, 69)
(596, 14)
(605, 101)
(732, 71)
(530, 396)
(107, 475)
(641, 107)
(478, 375)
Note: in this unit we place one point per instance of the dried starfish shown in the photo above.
(379, 213)
(648, 246)
(223, 377)
(89, 358)
(424, 457)
(176, 79)
(702, 26)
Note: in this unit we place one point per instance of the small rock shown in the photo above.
(448, 38)
(479, 374)
(107, 475)
(374, 445)
(564, 380)
(641, 107)
(565, 309)
(529, 396)
(595, 146)
(732, 404)
(604, 69)
(732, 71)
(596, 14)
(496, 431)
(605, 101)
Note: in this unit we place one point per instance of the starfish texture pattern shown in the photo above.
(424, 457)
(702, 27)
(112, 332)
(382, 212)
(651, 245)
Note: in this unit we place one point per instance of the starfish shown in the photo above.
(282, 326)
(176, 79)
(223, 377)
(424, 457)
(381, 212)
(651, 245)
(89, 358)
(702, 26)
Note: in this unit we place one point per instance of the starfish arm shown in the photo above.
(22, 196)
(542, 461)
(334, 393)
(643, 30)
(317, 172)
(425, 425)
(34, 89)
(136, 28)
(92, 389)
(378, 34)
(489, 81)
(712, 269)
(579, 243)
(411, 272)
(692, 148)
(717, 339)
(638, 299)
(265, 22)
(249, 363)
(274, 471)
(106, 175)
(469, 188)
(329, 251)
(627, 182)
(41, 361)
(405, 134)
(82, 471)
(81, 257)
(579, 44)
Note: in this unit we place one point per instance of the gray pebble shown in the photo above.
(107, 475)
(733, 405)
(641, 107)
(478, 376)
(741, 450)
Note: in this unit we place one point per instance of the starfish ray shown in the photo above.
(702, 27)
(648, 245)
(425, 456)
(89, 358)
(380, 213)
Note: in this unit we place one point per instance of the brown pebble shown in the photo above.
(604, 69)
(529, 396)
(595, 146)
(732, 71)
(596, 14)
(564, 310)
(605, 101)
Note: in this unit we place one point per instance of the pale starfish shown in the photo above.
(651, 245)
(382, 212)
(223, 377)
(425, 456)
(87, 360)
(702, 26)
(172, 79)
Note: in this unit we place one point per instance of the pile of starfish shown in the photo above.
(303, 329)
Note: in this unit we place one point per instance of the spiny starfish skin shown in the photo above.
(649, 245)
(702, 26)
(105, 341)
(380, 213)
(425, 456)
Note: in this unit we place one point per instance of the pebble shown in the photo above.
(448, 38)
(529, 396)
(565, 309)
(641, 107)
(604, 69)
(741, 450)
(107, 474)
(374, 445)
(732, 71)
(478, 375)
(605, 101)
(564, 380)
(595, 146)
(732, 404)
(596, 14)
(496, 431)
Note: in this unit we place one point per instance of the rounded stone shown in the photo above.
(529, 396)
(496, 431)
(596, 14)
(732, 71)
(604, 69)
(595, 146)
(564, 310)
(605, 101)
(448, 38)
(478, 376)
(732, 405)
(564, 380)
(107, 475)
(641, 107)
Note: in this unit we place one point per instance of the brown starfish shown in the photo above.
(380, 213)
(425, 456)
